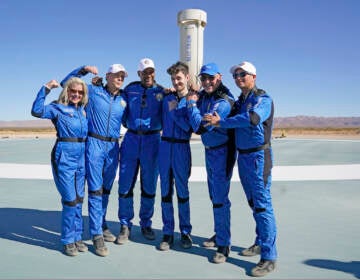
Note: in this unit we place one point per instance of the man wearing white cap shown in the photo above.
(253, 120)
(104, 113)
(139, 150)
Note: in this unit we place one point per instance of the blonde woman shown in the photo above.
(68, 155)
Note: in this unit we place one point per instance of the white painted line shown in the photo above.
(198, 173)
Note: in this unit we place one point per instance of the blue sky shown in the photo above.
(306, 52)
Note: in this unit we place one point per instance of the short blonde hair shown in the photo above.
(64, 98)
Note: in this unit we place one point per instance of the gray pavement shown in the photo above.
(318, 225)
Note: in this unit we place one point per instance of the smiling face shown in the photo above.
(147, 77)
(210, 83)
(179, 81)
(115, 81)
(75, 93)
(244, 80)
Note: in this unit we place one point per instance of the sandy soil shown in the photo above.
(19, 134)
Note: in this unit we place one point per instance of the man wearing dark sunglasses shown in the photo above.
(253, 120)
(215, 98)
(139, 150)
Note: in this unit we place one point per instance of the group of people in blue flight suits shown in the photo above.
(159, 123)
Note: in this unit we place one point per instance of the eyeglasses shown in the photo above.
(240, 75)
(203, 78)
(79, 92)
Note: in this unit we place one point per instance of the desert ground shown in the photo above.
(318, 133)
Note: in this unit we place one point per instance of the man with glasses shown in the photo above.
(104, 112)
(253, 120)
(139, 150)
(215, 98)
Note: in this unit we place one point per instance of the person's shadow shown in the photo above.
(352, 267)
(31, 226)
(42, 228)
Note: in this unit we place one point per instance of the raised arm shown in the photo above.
(39, 109)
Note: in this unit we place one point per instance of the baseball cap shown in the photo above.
(146, 63)
(209, 69)
(115, 68)
(246, 66)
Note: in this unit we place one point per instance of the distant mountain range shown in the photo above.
(279, 122)
(316, 122)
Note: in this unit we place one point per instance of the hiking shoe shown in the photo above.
(262, 268)
(99, 245)
(70, 250)
(123, 236)
(166, 243)
(186, 241)
(148, 233)
(210, 242)
(81, 246)
(251, 251)
(221, 254)
(108, 236)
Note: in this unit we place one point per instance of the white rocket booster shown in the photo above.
(192, 23)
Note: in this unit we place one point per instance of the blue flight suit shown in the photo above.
(217, 156)
(253, 127)
(139, 149)
(175, 163)
(67, 161)
(104, 112)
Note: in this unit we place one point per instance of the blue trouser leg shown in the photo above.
(181, 162)
(167, 211)
(184, 216)
(128, 171)
(95, 160)
(219, 187)
(68, 224)
(65, 180)
(109, 172)
(149, 172)
(95, 212)
(105, 202)
(167, 191)
(255, 174)
(79, 225)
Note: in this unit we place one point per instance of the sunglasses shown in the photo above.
(203, 78)
(240, 75)
(80, 92)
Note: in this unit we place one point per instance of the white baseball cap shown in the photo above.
(115, 68)
(246, 66)
(146, 63)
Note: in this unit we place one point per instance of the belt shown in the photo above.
(71, 139)
(108, 139)
(140, 132)
(216, 147)
(252, 150)
(174, 140)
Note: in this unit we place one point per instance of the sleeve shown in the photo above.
(39, 109)
(259, 112)
(126, 110)
(78, 72)
(179, 116)
(194, 116)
